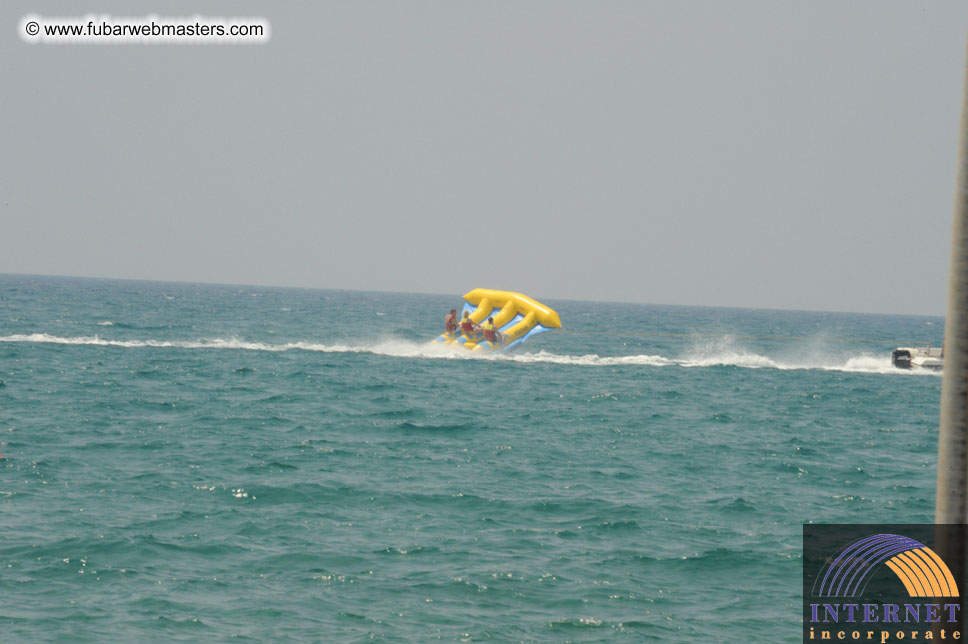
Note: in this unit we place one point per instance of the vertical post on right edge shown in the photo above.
(951, 506)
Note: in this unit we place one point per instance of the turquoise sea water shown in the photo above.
(187, 463)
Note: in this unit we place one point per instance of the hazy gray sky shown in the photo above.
(765, 154)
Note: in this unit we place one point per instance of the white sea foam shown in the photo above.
(722, 355)
(727, 351)
(852, 364)
(395, 348)
(875, 364)
(591, 360)
(734, 359)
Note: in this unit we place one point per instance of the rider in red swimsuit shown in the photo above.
(467, 325)
(491, 332)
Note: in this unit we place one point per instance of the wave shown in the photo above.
(591, 360)
(395, 348)
(203, 343)
(434, 350)
(732, 359)
(853, 364)
(728, 352)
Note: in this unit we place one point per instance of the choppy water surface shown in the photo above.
(207, 463)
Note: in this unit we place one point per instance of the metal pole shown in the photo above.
(952, 495)
(951, 505)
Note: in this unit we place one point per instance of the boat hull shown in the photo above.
(918, 358)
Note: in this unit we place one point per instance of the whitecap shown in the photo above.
(436, 350)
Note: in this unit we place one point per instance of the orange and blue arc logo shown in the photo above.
(920, 569)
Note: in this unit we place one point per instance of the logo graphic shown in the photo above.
(919, 568)
(883, 583)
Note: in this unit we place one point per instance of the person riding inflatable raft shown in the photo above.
(501, 321)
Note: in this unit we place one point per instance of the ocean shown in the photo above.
(199, 463)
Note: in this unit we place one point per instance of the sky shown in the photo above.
(768, 154)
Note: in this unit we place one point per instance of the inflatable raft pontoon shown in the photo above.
(517, 316)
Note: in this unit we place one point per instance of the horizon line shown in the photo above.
(561, 299)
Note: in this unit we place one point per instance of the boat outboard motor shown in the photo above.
(901, 358)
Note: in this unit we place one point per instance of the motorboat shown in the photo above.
(918, 358)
